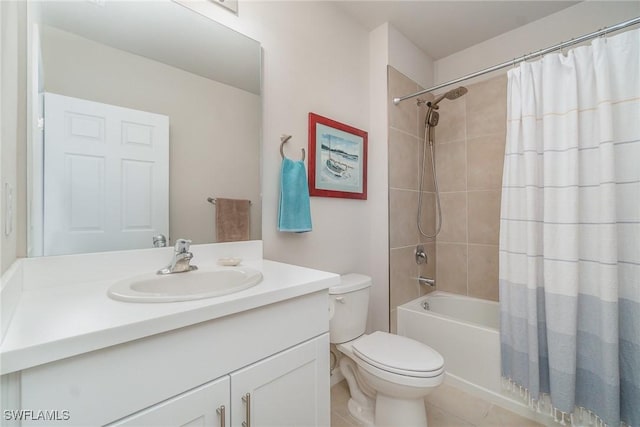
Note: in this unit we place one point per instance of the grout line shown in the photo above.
(453, 192)
(453, 141)
(484, 191)
(413, 191)
(483, 244)
(416, 137)
(404, 132)
(466, 185)
(414, 245)
(418, 111)
(450, 242)
(479, 190)
(453, 243)
(488, 134)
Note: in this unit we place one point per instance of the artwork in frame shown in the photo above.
(337, 159)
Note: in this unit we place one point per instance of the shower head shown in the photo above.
(456, 93)
(451, 95)
(433, 118)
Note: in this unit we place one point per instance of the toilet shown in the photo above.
(388, 375)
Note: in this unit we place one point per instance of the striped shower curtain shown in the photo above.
(570, 233)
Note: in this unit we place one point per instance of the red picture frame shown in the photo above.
(337, 159)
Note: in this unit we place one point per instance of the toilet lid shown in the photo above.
(398, 354)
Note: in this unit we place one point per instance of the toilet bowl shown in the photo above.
(388, 375)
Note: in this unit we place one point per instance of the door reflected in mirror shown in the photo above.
(149, 110)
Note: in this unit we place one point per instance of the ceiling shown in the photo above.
(441, 28)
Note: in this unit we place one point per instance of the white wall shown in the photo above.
(3, 59)
(315, 60)
(214, 127)
(378, 159)
(313, 56)
(12, 137)
(583, 18)
(409, 59)
(387, 46)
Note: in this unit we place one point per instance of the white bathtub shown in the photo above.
(465, 331)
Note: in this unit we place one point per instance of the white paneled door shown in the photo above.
(106, 176)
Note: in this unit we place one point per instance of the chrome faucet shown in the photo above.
(426, 281)
(181, 259)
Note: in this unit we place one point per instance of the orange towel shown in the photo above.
(232, 220)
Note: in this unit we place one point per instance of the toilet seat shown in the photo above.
(395, 354)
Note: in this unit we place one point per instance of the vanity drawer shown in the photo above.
(105, 385)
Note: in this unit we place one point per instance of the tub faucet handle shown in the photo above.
(421, 255)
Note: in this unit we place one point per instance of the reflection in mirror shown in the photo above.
(149, 110)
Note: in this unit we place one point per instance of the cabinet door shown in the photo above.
(198, 407)
(290, 388)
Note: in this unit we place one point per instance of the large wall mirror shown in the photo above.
(140, 113)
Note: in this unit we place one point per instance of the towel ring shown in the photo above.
(285, 139)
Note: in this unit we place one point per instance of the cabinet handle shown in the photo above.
(247, 400)
(221, 411)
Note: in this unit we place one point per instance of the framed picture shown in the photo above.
(337, 159)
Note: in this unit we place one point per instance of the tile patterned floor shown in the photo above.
(447, 406)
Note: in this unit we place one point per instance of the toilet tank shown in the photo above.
(348, 308)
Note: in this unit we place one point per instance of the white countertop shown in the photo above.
(54, 322)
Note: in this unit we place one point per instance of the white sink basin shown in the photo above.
(186, 286)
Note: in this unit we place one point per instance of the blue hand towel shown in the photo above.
(294, 214)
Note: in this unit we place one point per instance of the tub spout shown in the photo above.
(426, 281)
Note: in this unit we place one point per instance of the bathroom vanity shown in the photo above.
(255, 357)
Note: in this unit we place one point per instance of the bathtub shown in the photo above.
(466, 332)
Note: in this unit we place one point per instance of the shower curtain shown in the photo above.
(570, 232)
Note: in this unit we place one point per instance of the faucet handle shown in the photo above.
(159, 241)
(182, 245)
(421, 255)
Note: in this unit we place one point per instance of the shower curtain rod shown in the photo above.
(526, 57)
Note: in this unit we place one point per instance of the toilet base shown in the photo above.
(370, 403)
(390, 412)
(362, 414)
(393, 412)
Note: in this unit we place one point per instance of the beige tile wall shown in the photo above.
(470, 139)
(406, 123)
(469, 148)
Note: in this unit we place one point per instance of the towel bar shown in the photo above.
(213, 201)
